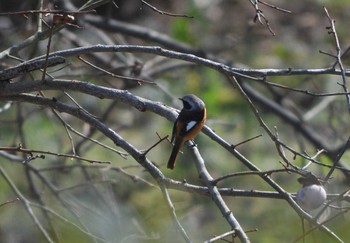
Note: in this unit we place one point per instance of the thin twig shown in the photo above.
(31, 151)
(164, 12)
(154, 145)
(340, 154)
(47, 11)
(9, 202)
(246, 141)
(220, 237)
(26, 204)
(275, 7)
(115, 75)
(173, 212)
(333, 32)
(59, 216)
(259, 16)
(260, 173)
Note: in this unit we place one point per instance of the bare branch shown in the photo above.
(31, 151)
(29, 66)
(27, 205)
(215, 194)
(164, 12)
(332, 31)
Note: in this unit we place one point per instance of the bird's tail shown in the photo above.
(174, 154)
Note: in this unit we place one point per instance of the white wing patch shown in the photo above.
(190, 125)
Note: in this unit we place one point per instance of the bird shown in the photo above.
(188, 124)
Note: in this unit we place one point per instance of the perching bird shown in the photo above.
(187, 125)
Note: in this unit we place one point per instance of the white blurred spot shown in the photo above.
(311, 197)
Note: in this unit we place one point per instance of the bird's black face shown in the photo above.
(187, 105)
(192, 103)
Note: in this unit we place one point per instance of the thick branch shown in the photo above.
(29, 66)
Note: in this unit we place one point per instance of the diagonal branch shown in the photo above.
(215, 194)
(26, 204)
